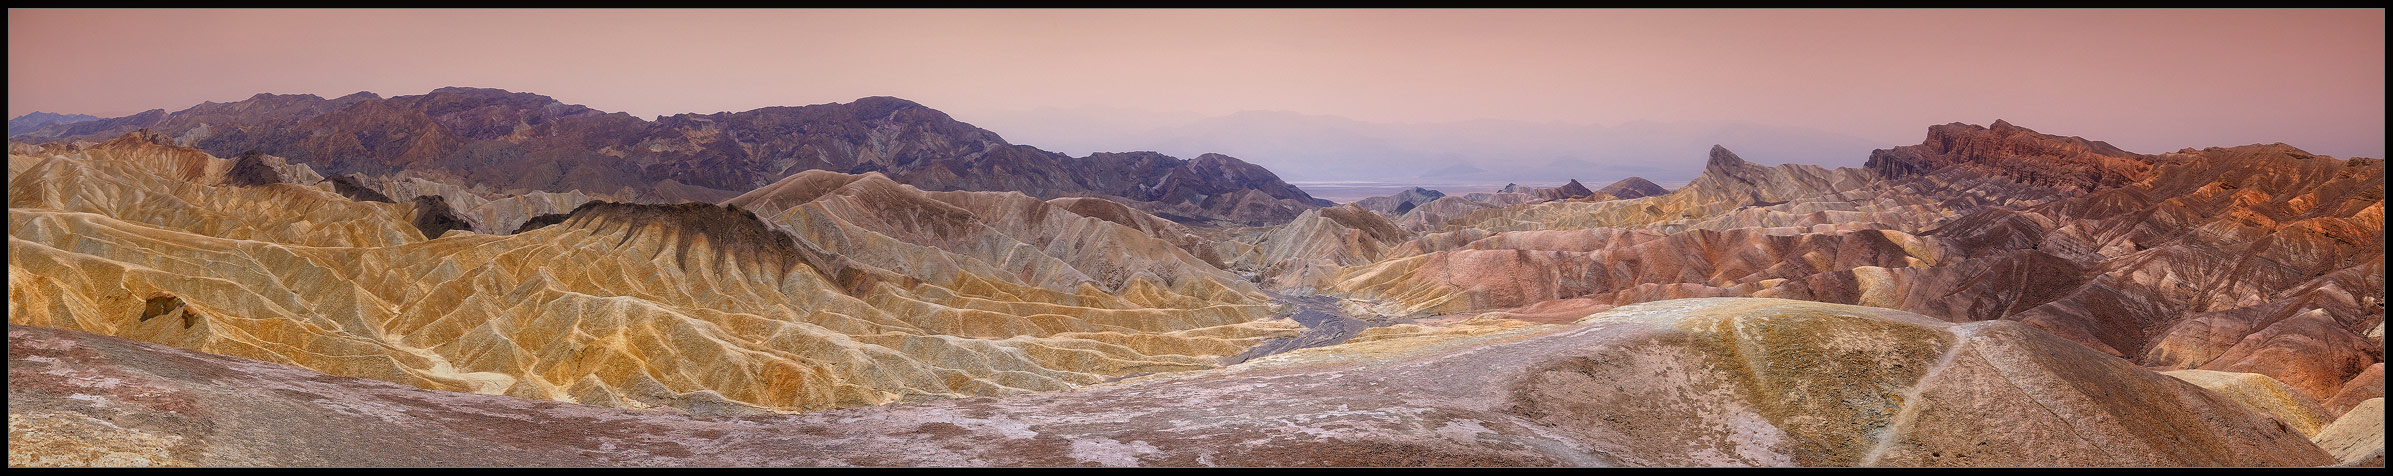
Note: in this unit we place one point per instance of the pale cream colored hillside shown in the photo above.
(693, 306)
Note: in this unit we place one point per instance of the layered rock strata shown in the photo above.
(870, 293)
(2256, 259)
(1709, 382)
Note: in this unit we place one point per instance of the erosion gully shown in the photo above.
(1325, 324)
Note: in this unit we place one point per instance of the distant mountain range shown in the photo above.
(529, 142)
(37, 119)
(1308, 147)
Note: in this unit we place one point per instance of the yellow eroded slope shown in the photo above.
(632, 310)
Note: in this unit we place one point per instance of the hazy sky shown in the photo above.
(2145, 80)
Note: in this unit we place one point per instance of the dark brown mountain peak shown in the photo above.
(1728, 165)
(250, 170)
(1223, 174)
(1574, 189)
(433, 217)
(348, 186)
(1722, 158)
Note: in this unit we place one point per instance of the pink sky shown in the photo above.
(2146, 80)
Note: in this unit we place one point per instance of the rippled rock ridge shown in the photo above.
(171, 304)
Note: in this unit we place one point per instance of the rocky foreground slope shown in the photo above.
(2002, 269)
(1703, 382)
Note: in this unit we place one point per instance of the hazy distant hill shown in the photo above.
(1321, 147)
(37, 119)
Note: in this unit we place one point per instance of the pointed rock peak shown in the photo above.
(1721, 157)
(1574, 189)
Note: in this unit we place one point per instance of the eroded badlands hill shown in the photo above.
(2001, 267)
(859, 293)
(2261, 258)
(1704, 382)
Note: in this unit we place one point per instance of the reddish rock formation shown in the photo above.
(2261, 259)
(2369, 384)
(2072, 163)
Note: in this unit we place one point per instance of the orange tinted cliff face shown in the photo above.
(2070, 163)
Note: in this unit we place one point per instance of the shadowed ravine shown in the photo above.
(1325, 324)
